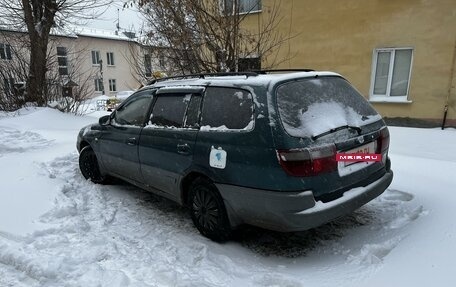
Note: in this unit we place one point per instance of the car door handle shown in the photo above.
(131, 141)
(183, 148)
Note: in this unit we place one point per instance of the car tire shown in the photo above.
(88, 164)
(207, 210)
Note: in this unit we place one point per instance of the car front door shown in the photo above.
(167, 143)
(119, 140)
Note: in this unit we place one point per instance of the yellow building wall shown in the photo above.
(341, 36)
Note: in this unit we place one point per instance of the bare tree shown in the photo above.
(147, 61)
(39, 17)
(209, 35)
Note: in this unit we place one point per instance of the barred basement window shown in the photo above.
(249, 64)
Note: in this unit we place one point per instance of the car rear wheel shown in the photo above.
(208, 210)
(88, 164)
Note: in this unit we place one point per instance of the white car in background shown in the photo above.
(113, 102)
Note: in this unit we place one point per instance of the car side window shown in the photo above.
(169, 110)
(193, 111)
(134, 111)
(227, 108)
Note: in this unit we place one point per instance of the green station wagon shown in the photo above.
(245, 148)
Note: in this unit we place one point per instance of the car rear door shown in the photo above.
(166, 145)
(233, 146)
(118, 144)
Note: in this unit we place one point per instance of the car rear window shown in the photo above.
(311, 106)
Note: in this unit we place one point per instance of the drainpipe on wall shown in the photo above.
(450, 86)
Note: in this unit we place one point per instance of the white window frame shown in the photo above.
(112, 85)
(66, 59)
(98, 85)
(387, 97)
(110, 59)
(97, 53)
(222, 9)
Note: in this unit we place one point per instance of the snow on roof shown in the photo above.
(11, 28)
(76, 31)
(101, 33)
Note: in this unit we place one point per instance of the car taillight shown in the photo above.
(383, 141)
(309, 161)
(383, 144)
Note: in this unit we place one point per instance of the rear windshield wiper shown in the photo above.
(358, 129)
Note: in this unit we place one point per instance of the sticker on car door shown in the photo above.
(217, 158)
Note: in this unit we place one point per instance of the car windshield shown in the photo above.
(312, 106)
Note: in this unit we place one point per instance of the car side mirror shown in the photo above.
(104, 120)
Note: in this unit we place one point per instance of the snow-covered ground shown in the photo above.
(56, 229)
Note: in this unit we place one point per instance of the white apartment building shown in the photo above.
(104, 62)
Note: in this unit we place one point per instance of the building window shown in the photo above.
(98, 85)
(96, 57)
(110, 56)
(249, 64)
(230, 7)
(112, 85)
(5, 52)
(391, 72)
(161, 61)
(148, 65)
(62, 60)
(8, 85)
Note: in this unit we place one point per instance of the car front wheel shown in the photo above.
(208, 210)
(88, 164)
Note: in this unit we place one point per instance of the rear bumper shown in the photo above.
(294, 211)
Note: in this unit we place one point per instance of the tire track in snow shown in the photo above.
(121, 236)
(394, 194)
(96, 229)
(12, 140)
(398, 214)
(386, 212)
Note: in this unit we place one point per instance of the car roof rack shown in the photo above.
(281, 70)
(204, 75)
